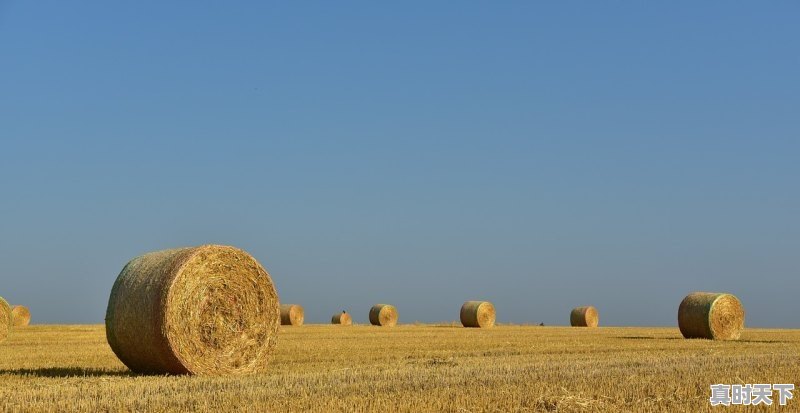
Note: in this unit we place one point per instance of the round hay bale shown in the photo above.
(5, 319)
(292, 315)
(342, 318)
(209, 310)
(584, 317)
(20, 316)
(479, 314)
(384, 315)
(716, 316)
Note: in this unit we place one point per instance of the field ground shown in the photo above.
(410, 368)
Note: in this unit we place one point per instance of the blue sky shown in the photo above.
(538, 155)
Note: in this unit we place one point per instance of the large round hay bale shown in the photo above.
(717, 316)
(292, 315)
(342, 318)
(5, 319)
(208, 310)
(584, 317)
(384, 315)
(477, 314)
(20, 316)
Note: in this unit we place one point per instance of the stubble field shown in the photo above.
(410, 368)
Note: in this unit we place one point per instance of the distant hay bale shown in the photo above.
(479, 314)
(384, 315)
(716, 316)
(292, 315)
(342, 318)
(20, 316)
(584, 317)
(5, 320)
(208, 310)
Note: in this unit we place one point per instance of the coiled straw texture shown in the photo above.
(209, 310)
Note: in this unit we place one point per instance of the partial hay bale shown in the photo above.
(384, 315)
(584, 317)
(208, 310)
(20, 316)
(5, 319)
(342, 318)
(716, 316)
(292, 315)
(479, 314)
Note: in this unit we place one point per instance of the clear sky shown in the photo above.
(541, 155)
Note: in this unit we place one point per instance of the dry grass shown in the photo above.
(410, 368)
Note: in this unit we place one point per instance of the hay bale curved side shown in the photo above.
(384, 315)
(208, 310)
(716, 316)
(342, 319)
(5, 320)
(479, 314)
(585, 316)
(292, 315)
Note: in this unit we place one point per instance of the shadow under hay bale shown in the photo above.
(61, 372)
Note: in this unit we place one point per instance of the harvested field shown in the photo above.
(410, 368)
